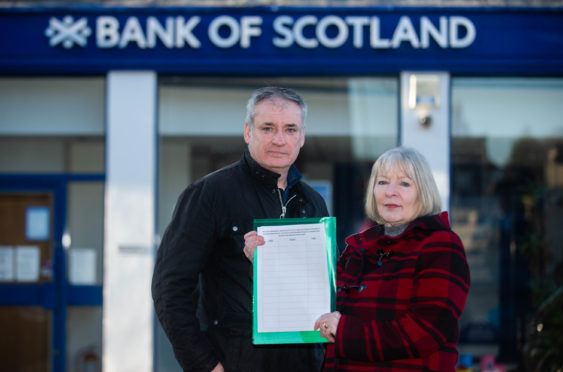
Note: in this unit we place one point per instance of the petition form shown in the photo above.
(293, 282)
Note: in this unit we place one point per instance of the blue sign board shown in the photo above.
(281, 40)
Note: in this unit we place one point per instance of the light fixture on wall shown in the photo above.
(424, 96)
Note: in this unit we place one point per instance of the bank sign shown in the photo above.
(276, 40)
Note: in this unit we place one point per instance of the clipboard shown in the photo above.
(325, 251)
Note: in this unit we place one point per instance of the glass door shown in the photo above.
(26, 280)
(50, 309)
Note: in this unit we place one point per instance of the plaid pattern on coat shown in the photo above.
(400, 299)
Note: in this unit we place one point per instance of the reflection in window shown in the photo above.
(201, 120)
(351, 121)
(507, 206)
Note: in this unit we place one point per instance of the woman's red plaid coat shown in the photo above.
(400, 299)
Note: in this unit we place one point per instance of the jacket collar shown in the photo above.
(267, 177)
(436, 222)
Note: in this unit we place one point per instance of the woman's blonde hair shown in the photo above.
(415, 166)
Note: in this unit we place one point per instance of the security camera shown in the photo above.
(426, 121)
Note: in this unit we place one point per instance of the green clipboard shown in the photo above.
(306, 336)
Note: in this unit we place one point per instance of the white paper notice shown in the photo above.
(37, 223)
(82, 266)
(293, 287)
(6, 263)
(27, 263)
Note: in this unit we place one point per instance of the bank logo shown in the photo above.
(68, 32)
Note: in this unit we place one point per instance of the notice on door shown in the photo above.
(7, 263)
(27, 263)
(82, 266)
(37, 223)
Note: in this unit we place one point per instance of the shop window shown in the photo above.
(507, 206)
(351, 121)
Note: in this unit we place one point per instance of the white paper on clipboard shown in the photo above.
(293, 281)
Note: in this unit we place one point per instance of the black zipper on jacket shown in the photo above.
(284, 206)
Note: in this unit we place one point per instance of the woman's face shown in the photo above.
(396, 197)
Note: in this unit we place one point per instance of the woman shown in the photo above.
(402, 284)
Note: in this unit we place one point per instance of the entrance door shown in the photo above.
(26, 281)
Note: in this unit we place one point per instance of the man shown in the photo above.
(205, 242)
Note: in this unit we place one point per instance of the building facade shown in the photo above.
(107, 112)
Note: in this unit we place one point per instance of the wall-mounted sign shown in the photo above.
(308, 32)
(281, 40)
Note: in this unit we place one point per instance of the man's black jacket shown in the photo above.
(206, 236)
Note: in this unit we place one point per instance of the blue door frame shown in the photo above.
(58, 294)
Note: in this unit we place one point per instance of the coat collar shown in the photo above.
(267, 177)
(429, 223)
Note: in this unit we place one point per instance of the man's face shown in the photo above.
(277, 135)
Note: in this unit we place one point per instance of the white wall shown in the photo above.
(432, 141)
(52, 106)
(201, 111)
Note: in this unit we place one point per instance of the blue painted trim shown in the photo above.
(96, 8)
(85, 295)
(28, 295)
(39, 181)
(59, 278)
